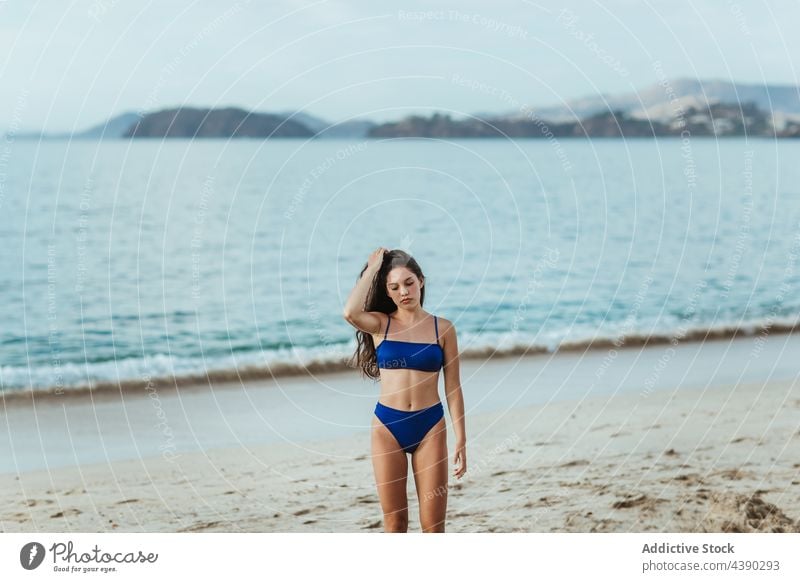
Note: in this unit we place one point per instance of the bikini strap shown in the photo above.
(388, 321)
(436, 323)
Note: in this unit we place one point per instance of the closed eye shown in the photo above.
(409, 282)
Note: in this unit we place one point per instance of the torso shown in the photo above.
(408, 389)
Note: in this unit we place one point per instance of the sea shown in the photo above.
(126, 262)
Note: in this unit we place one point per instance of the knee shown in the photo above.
(396, 523)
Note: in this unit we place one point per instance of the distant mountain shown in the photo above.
(660, 102)
(355, 128)
(230, 122)
(313, 123)
(115, 127)
(717, 120)
(704, 108)
(718, 108)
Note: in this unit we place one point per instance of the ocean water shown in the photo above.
(128, 261)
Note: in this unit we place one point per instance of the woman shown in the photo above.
(412, 346)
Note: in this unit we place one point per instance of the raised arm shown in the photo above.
(354, 314)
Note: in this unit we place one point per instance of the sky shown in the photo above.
(68, 64)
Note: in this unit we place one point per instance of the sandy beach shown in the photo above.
(698, 451)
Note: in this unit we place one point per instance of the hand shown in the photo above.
(460, 460)
(376, 258)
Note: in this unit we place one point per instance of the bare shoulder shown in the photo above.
(444, 323)
(446, 327)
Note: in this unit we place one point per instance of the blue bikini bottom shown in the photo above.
(409, 427)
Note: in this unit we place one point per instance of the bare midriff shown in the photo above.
(407, 389)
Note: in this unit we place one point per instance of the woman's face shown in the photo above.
(401, 283)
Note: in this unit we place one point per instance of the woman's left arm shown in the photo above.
(455, 397)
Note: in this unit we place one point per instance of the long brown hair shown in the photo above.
(364, 357)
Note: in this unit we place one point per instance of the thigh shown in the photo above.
(429, 462)
(391, 469)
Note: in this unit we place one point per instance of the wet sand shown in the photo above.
(557, 443)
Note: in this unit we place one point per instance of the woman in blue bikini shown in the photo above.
(385, 307)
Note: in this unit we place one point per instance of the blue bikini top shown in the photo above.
(411, 355)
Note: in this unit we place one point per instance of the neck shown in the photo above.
(409, 317)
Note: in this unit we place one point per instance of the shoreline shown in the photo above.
(570, 442)
(221, 378)
(114, 426)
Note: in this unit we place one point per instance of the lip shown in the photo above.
(406, 300)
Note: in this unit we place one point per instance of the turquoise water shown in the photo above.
(129, 260)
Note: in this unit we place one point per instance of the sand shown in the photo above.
(687, 459)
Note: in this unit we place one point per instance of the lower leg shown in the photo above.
(432, 515)
(435, 528)
(396, 522)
